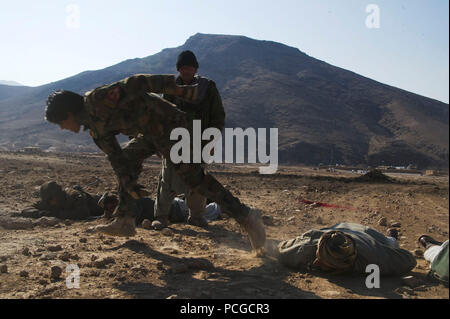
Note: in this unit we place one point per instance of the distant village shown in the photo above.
(410, 169)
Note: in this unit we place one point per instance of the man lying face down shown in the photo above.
(346, 248)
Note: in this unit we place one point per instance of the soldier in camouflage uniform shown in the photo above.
(70, 203)
(209, 109)
(126, 107)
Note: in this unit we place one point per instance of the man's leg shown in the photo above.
(250, 219)
(196, 203)
(164, 196)
(136, 151)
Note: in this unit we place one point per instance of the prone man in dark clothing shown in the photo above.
(70, 203)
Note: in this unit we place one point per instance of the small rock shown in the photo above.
(65, 256)
(147, 224)
(411, 281)
(267, 220)
(23, 273)
(68, 222)
(46, 221)
(103, 262)
(55, 273)
(421, 288)
(396, 225)
(74, 257)
(43, 282)
(382, 221)
(290, 219)
(83, 240)
(167, 232)
(54, 248)
(319, 220)
(50, 256)
(404, 290)
(139, 270)
(160, 265)
(3, 269)
(94, 258)
(177, 238)
(418, 253)
(26, 252)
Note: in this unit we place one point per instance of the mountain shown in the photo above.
(323, 113)
(11, 83)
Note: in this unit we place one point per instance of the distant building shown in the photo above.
(32, 150)
(430, 172)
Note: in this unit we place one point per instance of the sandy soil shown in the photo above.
(191, 262)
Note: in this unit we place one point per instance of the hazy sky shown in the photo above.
(44, 41)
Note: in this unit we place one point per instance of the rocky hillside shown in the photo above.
(323, 113)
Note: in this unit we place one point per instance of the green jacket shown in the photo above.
(208, 107)
(372, 248)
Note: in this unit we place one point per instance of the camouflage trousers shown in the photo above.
(163, 117)
(169, 186)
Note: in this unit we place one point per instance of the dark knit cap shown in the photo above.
(187, 58)
(51, 190)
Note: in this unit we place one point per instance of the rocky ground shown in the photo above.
(190, 262)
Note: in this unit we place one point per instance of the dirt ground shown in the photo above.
(191, 262)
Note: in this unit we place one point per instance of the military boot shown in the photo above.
(121, 226)
(160, 222)
(254, 227)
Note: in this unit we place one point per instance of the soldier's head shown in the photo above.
(52, 194)
(187, 66)
(62, 108)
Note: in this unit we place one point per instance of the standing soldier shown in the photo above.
(126, 107)
(209, 110)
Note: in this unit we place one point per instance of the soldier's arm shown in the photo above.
(110, 146)
(136, 85)
(217, 118)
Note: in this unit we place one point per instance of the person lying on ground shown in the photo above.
(69, 203)
(436, 254)
(346, 248)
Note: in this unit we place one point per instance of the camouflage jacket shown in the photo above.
(76, 205)
(127, 107)
(208, 108)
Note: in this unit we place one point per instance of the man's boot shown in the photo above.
(254, 227)
(428, 241)
(121, 226)
(160, 222)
